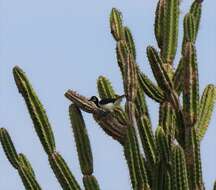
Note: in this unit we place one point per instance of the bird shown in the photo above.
(108, 104)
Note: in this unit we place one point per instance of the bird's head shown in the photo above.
(94, 99)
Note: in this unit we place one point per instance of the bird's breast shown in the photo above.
(109, 106)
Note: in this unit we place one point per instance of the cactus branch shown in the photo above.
(36, 110)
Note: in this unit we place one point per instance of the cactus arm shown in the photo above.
(36, 110)
(130, 41)
(197, 161)
(9, 148)
(189, 35)
(170, 30)
(28, 180)
(179, 171)
(160, 74)
(196, 11)
(129, 155)
(163, 78)
(206, 106)
(24, 161)
(150, 88)
(43, 129)
(193, 160)
(81, 139)
(62, 172)
(178, 77)
(190, 86)
(130, 88)
(130, 79)
(159, 25)
(167, 86)
(190, 112)
(163, 145)
(131, 147)
(167, 120)
(126, 56)
(141, 105)
(116, 24)
(147, 139)
(162, 171)
(105, 88)
(19, 162)
(83, 148)
(189, 30)
(134, 160)
(130, 70)
(122, 51)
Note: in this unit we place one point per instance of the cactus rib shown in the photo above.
(82, 140)
(36, 110)
(62, 172)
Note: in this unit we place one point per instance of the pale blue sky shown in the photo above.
(67, 44)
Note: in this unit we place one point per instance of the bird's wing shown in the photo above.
(107, 100)
(116, 101)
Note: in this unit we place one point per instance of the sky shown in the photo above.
(66, 45)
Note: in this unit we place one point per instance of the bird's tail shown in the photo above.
(122, 96)
(119, 99)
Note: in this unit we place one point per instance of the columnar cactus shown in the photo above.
(167, 159)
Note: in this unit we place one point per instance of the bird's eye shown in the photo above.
(93, 98)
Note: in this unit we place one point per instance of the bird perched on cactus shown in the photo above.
(108, 104)
(165, 158)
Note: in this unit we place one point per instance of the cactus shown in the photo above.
(19, 162)
(165, 159)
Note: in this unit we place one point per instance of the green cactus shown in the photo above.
(165, 159)
(19, 162)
